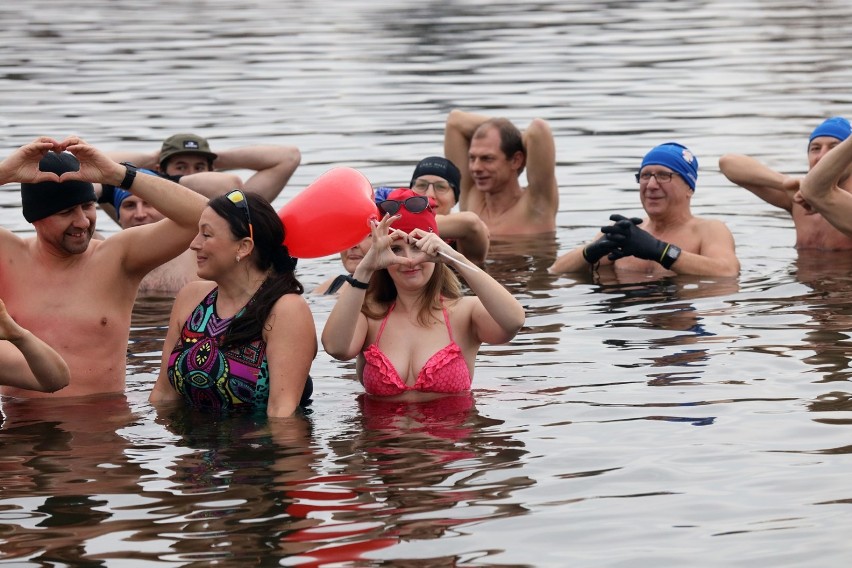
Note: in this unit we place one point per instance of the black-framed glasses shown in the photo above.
(414, 204)
(422, 186)
(238, 198)
(661, 177)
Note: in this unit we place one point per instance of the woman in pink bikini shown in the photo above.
(402, 312)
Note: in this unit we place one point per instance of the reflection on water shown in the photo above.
(630, 423)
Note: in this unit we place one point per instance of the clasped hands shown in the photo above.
(625, 238)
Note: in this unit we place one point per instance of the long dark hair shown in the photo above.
(269, 254)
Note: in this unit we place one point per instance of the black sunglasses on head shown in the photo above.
(415, 204)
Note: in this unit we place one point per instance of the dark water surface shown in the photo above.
(690, 421)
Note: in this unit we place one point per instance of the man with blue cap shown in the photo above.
(670, 239)
(780, 190)
(825, 189)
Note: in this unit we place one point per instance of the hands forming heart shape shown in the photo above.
(23, 165)
(393, 246)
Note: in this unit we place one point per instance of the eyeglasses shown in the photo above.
(238, 198)
(661, 177)
(422, 186)
(415, 204)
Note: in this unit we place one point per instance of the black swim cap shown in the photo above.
(43, 199)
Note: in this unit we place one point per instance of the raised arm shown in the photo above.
(458, 133)
(345, 330)
(148, 246)
(821, 187)
(498, 316)
(27, 362)
(22, 165)
(469, 231)
(541, 171)
(273, 166)
(759, 179)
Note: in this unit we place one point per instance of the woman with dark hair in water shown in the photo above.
(244, 337)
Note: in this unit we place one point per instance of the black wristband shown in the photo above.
(356, 283)
(129, 176)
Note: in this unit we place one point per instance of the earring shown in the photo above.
(238, 259)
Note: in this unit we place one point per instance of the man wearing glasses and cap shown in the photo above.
(813, 231)
(72, 291)
(670, 239)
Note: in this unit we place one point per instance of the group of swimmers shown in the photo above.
(241, 335)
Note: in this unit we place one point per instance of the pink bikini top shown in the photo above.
(445, 372)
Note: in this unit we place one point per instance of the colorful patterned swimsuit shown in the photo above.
(210, 378)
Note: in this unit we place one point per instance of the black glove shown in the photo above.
(595, 251)
(633, 241)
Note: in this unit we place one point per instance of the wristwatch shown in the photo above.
(129, 176)
(670, 255)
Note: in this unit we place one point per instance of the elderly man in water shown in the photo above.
(670, 239)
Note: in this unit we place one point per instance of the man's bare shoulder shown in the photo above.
(708, 224)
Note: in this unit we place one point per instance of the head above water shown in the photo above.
(119, 195)
(267, 229)
(43, 199)
(835, 127)
(677, 158)
(185, 144)
(441, 167)
(409, 221)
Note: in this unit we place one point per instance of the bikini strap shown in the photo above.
(446, 320)
(384, 321)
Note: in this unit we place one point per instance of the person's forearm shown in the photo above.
(465, 123)
(821, 181)
(49, 368)
(176, 202)
(257, 158)
(764, 182)
(339, 330)
(146, 160)
(573, 261)
(503, 308)
(469, 232)
(698, 265)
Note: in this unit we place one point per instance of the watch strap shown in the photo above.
(670, 254)
(129, 175)
(356, 283)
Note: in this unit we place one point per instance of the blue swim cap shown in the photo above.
(120, 194)
(381, 193)
(677, 158)
(836, 127)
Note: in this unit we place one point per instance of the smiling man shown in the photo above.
(670, 239)
(74, 292)
(491, 154)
